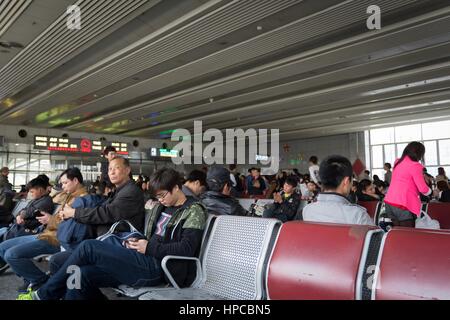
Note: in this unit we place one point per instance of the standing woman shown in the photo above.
(402, 200)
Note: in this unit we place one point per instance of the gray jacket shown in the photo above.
(4, 183)
(335, 208)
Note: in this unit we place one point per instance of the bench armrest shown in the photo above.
(169, 275)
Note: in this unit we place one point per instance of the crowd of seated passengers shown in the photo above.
(175, 226)
(125, 203)
(208, 193)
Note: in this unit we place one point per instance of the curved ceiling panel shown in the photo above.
(309, 68)
(58, 42)
(10, 10)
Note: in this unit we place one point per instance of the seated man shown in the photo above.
(125, 203)
(255, 183)
(195, 184)
(332, 204)
(218, 199)
(19, 252)
(175, 227)
(442, 192)
(286, 203)
(27, 223)
(367, 191)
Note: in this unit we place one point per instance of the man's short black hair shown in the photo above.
(44, 178)
(197, 175)
(109, 149)
(380, 184)
(165, 179)
(292, 181)
(313, 159)
(363, 184)
(37, 183)
(73, 173)
(333, 170)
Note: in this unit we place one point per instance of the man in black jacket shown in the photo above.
(175, 227)
(109, 153)
(126, 202)
(218, 199)
(286, 203)
(26, 218)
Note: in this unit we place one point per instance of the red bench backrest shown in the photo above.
(371, 207)
(413, 264)
(441, 212)
(316, 261)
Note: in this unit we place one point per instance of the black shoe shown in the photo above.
(23, 288)
(3, 266)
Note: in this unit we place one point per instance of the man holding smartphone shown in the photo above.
(27, 223)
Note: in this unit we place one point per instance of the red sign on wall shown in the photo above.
(86, 145)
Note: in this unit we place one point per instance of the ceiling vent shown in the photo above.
(10, 11)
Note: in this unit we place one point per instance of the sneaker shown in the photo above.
(30, 295)
(3, 266)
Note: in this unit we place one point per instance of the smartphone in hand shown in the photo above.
(38, 213)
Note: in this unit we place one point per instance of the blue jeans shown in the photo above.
(19, 253)
(8, 244)
(2, 232)
(102, 264)
(57, 261)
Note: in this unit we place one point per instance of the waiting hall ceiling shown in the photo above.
(146, 67)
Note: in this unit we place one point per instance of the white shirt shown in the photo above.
(314, 173)
(335, 208)
(233, 180)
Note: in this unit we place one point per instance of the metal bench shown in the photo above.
(133, 292)
(233, 265)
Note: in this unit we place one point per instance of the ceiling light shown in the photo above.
(410, 85)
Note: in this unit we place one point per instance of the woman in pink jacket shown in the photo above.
(402, 200)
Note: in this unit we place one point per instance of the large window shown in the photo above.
(387, 144)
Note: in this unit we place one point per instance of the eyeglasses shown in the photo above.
(162, 196)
